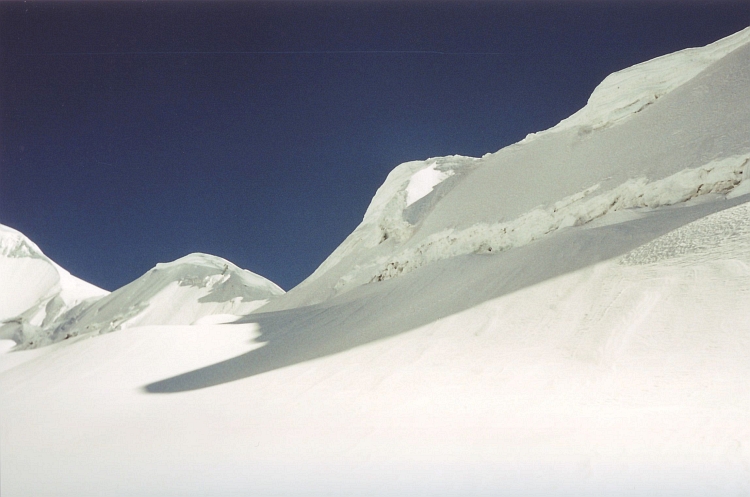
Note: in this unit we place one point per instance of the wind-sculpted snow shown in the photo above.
(180, 292)
(400, 203)
(41, 303)
(656, 134)
(718, 177)
(627, 92)
(34, 291)
(723, 235)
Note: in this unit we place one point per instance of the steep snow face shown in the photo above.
(659, 133)
(34, 291)
(406, 197)
(195, 288)
(627, 92)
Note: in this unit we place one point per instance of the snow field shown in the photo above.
(602, 381)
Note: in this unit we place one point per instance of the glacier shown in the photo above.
(565, 316)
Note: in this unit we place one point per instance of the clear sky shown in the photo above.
(136, 133)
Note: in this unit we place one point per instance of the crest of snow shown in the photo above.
(34, 291)
(181, 292)
(14, 244)
(423, 181)
(405, 185)
(627, 92)
(393, 238)
(718, 177)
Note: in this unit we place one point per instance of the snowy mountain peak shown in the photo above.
(601, 160)
(41, 303)
(35, 291)
(184, 291)
(14, 244)
(212, 272)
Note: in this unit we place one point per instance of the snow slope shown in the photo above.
(195, 288)
(537, 371)
(685, 136)
(602, 347)
(41, 303)
(34, 291)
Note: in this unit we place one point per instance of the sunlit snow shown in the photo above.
(566, 316)
(422, 183)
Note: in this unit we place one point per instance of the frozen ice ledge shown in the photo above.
(720, 177)
(656, 134)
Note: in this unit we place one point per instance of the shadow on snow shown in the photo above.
(385, 309)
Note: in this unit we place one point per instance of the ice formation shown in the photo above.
(34, 291)
(55, 306)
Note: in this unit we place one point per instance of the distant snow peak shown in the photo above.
(183, 291)
(14, 244)
(34, 291)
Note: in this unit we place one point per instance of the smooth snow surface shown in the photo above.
(423, 182)
(567, 316)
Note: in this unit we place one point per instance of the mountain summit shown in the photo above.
(43, 303)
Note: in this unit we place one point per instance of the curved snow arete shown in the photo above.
(184, 291)
(600, 160)
(35, 291)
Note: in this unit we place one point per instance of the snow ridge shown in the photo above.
(35, 291)
(180, 292)
(719, 177)
(394, 211)
(625, 93)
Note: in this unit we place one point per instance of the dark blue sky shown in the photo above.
(136, 133)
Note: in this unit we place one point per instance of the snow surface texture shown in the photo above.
(601, 347)
(34, 291)
(717, 177)
(185, 291)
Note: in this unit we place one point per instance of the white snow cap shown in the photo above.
(34, 291)
(602, 159)
(41, 303)
(180, 292)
